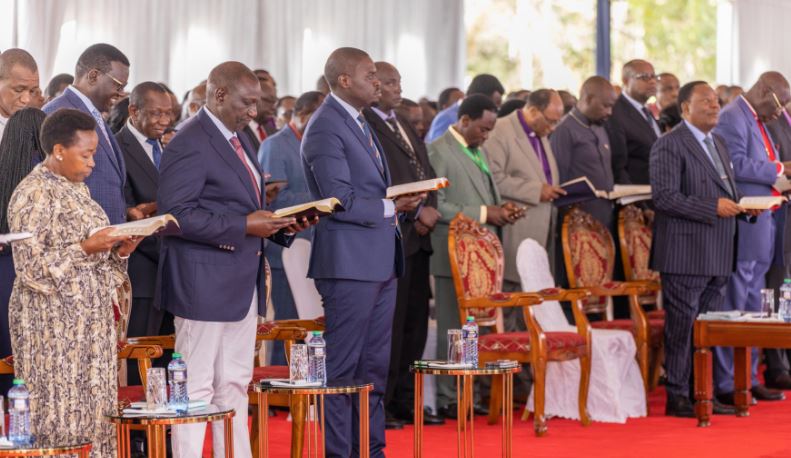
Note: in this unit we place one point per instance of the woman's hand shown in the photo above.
(102, 241)
(128, 246)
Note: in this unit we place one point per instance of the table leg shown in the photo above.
(156, 441)
(263, 425)
(703, 386)
(297, 424)
(309, 427)
(741, 383)
(323, 430)
(418, 418)
(365, 441)
(315, 413)
(508, 408)
(460, 411)
(470, 416)
(122, 438)
(228, 427)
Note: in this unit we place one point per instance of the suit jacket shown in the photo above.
(519, 175)
(755, 176)
(689, 237)
(403, 172)
(210, 272)
(470, 189)
(106, 182)
(780, 129)
(252, 137)
(358, 243)
(631, 138)
(142, 183)
(279, 156)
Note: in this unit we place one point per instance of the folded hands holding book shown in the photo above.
(506, 213)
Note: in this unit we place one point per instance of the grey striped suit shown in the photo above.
(693, 248)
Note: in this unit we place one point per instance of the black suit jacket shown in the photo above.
(142, 183)
(631, 139)
(401, 171)
(248, 131)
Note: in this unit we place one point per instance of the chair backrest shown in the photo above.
(634, 235)
(532, 263)
(306, 298)
(476, 264)
(589, 255)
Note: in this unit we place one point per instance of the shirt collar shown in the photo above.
(224, 130)
(581, 118)
(3, 120)
(639, 106)
(383, 115)
(459, 138)
(91, 107)
(750, 107)
(350, 109)
(528, 131)
(138, 135)
(699, 135)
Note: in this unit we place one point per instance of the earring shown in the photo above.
(60, 158)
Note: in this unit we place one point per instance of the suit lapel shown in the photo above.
(382, 128)
(519, 135)
(639, 120)
(135, 151)
(703, 157)
(357, 131)
(726, 161)
(466, 163)
(103, 140)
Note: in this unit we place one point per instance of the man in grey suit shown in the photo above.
(525, 171)
(457, 156)
(695, 197)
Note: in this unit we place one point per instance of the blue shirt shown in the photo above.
(442, 121)
(700, 137)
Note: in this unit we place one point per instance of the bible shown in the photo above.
(160, 225)
(582, 190)
(6, 239)
(417, 187)
(761, 202)
(308, 210)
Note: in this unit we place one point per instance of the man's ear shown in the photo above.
(220, 94)
(344, 81)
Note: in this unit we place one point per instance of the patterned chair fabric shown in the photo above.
(510, 342)
(635, 234)
(590, 257)
(656, 327)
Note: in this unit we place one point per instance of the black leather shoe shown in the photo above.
(763, 393)
(393, 423)
(679, 406)
(480, 409)
(447, 412)
(781, 382)
(722, 409)
(429, 419)
(727, 399)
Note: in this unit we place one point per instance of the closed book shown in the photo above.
(309, 210)
(417, 187)
(761, 202)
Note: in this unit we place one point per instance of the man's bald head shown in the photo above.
(351, 74)
(233, 92)
(18, 80)
(390, 86)
(13, 57)
(597, 97)
(384, 68)
(342, 61)
(769, 95)
(639, 80)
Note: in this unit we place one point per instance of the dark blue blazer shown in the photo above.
(359, 243)
(755, 175)
(106, 182)
(210, 272)
(279, 157)
(689, 237)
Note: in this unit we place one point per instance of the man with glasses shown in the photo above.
(757, 166)
(100, 76)
(632, 128)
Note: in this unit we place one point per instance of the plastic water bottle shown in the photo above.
(785, 301)
(177, 376)
(19, 411)
(470, 335)
(317, 358)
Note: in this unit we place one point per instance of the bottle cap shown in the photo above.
(787, 280)
(19, 381)
(470, 318)
(176, 355)
(316, 333)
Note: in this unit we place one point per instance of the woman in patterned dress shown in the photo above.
(62, 326)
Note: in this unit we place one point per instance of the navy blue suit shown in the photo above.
(693, 248)
(355, 258)
(106, 182)
(760, 244)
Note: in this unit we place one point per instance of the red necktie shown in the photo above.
(261, 132)
(237, 147)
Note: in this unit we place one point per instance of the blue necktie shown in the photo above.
(156, 151)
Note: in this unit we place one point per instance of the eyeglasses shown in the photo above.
(551, 122)
(121, 85)
(157, 114)
(645, 76)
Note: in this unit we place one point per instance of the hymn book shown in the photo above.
(160, 225)
(761, 202)
(310, 210)
(582, 190)
(417, 187)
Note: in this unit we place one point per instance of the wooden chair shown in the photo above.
(589, 255)
(477, 264)
(634, 236)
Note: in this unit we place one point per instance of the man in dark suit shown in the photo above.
(100, 76)
(407, 160)
(149, 116)
(212, 276)
(356, 254)
(263, 125)
(695, 195)
(632, 128)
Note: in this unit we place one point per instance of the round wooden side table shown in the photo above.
(43, 446)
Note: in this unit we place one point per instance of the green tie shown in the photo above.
(475, 155)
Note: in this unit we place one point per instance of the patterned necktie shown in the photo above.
(715, 159)
(100, 121)
(407, 147)
(156, 151)
(367, 132)
(237, 147)
(649, 118)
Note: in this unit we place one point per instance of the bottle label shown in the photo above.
(20, 404)
(318, 351)
(179, 376)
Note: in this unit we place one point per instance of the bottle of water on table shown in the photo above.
(19, 411)
(177, 379)
(784, 310)
(470, 335)
(317, 358)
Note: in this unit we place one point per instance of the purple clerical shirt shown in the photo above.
(538, 147)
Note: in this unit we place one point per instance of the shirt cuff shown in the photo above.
(389, 208)
(483, 214)
(780, 168)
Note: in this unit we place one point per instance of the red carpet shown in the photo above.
(766, 433)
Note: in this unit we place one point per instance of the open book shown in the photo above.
(161, 225)
(761, 202)
(416, 187)
(308, 210)
(582, 190)
(6, 239)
